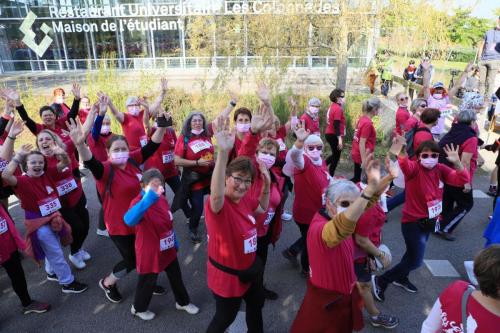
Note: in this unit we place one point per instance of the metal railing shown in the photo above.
(176, 63)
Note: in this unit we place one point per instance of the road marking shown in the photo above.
(469, 268)
(239, 324)
(441, 268)
(478, 194)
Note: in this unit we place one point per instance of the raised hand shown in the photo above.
(102, 104)
(391, 167)
(300, 131)
(264, 173)
(234, 96)
(164, 84)
(452, 154)
(263, 93)
(225, 137)
(10, 94)
(24, 151)
(373, 174)
(75, 132)
(292, 101)
(75, 89)
(397, 145)
(16, 128)
(258, 122)
(469, 67)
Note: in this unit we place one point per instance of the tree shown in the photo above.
(466, 30)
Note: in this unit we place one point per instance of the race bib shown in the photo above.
(435, 207)
(3, 226)
(281, 143)
(66, 185)
(167, 157)
(49, 205)
(199, 145)
(446, 112)
(143, 140)
(167, 241)
(250, 243)
(3, 165)
(270, 215)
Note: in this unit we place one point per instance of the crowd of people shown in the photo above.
(240, 186)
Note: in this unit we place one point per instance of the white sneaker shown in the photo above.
(104, 232)
(190, 308)
(146, 315)
(286, 216)
(83, 255)
(76, 261)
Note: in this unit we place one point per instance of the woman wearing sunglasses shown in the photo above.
(402, 114)
(424, 181)
(311, 179)
(416, 108)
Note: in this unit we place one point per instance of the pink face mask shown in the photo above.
(267, 159)
(315, 155)
(133, 110)
(243, 128)
(429, 163)
(437, 96)
(119, 158)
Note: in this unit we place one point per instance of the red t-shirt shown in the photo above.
(68, 187)
(331, 268)
(134, 131)
(124, 188)
(59, 128)
(369, 225)
(38, 195)
(98, 148)
(83, 114)
(198, 146)
(9, 237)
(364, 129)
(264, 219)
(163, 158)
(424, 187)
(280, 137)
(154, 238)
(310, 185)
(479, 319)
(311, 124)
(232, 242)
(410, 123)
(469, 146)
(402, 116)
(335, 112)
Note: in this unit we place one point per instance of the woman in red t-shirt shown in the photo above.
(233, 269)
(155, 245)
(118, 183)
(402, 114)
(335, 128)
(365, 136)
(482, 307)
(311, 116)
(194, 152)
(62, 167)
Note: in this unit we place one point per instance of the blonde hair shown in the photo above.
(54, 136)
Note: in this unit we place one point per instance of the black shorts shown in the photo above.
(363, 272)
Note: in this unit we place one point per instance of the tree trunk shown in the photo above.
(342, 58)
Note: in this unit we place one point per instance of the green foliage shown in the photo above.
(466, 30)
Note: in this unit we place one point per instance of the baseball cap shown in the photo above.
(438, 85)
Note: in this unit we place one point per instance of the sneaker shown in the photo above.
(445, 235)
(406, 285)
(384, 321)
(158, 291)
(111, 292)
(36, 307)
(103, 233)
(286, 216)
(492, 191)
(378, 292)
(83, 255)
(194, 237)
(146, 315)
(190, 308)
(270, 295)
(287, 254)
(74, 287)
(52, 277)
(76, 261)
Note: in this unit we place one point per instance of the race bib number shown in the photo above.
(65, 186)
(269, 218)
(167, 157)
(3, 164)
(250, 243)
(282, 144)
(199, 145)
(446, 112)
(143, 140)
(167, 241)
(49, 205)
(435, 207)
(3, 226)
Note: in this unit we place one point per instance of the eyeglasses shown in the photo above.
(342, 96)
(345, 204)
(427, 155)
(239, 181)
(423, 105)
(311, 148)
(403, 98)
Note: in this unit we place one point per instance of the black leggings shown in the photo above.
(126, 247)
(226, 309)
(147, 282)
(498, 188)
(456, 204)
(300, 245)
(102, 225)
(16, 275)
(357, 173)
(333, 159)
(78, 218)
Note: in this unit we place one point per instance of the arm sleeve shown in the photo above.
(135, 213)
(297, 157)
(336, 127)
(452, 176)
(96, 129)
(337, 229)
(73, 112)
(249, 145)
(432, 324)
(95, 166)
(409, 168)
(3, 125)
(27, 120)
(148, 150)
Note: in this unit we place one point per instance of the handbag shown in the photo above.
(248, 275)
(429, 225)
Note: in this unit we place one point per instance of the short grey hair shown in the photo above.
(371, 104)
(416, 103)
(340, 187)
(466, 116)
(315, 101)
(186, 126)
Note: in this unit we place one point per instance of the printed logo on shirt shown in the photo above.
(49, 189)
(139, 176)
(251, 218)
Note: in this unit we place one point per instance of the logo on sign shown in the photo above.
(29, 34)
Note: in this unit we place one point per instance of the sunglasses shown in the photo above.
(311, 148)
(345, 204)
(403, 99)
(423, 105)
(427, 155)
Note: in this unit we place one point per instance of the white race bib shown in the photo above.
(3, 164)
(435, 207)
(250, 243)
(49, 205)
(167, 157)
(65, 186)
(143, 140)
(167, 241)
(281, 143)
(3, 226)
(446, 112)
(199, 145)
(270, 215)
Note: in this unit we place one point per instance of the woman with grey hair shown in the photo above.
(457, 199)
(194, 152)
(311, 116)
(416, 108)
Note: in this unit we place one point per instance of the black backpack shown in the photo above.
(410, 137)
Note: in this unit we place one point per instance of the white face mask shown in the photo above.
(341, 209)
(243, 128)
(197, 132)
(267, 159)
(429, 163)
(105, 129)
(133, 110)
(341, 100)
(437, 96)
(59, 100)
(313, 110)
(119, 157)
(315, 155)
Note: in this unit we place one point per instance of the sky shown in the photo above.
(482, 8)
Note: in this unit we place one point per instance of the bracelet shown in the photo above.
(232, 103)
(364, 196)
(12, 138)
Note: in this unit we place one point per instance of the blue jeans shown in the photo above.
(415, 240)
(54, 256)
(395, 201)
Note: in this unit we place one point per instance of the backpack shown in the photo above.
(410, 137)
(107, 188)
